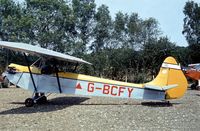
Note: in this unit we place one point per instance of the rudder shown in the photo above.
(170, 74)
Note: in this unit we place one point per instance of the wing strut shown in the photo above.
(58, 80)
(30, 72)
(75, 67)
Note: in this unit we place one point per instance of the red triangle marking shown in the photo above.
(78, 86)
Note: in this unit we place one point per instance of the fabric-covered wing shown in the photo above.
(35, 50)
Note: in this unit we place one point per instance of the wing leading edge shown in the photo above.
(35, 50)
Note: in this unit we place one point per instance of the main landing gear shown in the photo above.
(39, 98)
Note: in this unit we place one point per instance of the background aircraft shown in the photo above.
(44, 76)
(193, 72)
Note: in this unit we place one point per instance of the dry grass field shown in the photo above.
(75, 113)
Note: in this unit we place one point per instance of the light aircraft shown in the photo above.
(42, 79)
(193, 72)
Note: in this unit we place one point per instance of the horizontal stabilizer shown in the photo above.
(169, 87)
(160, 88)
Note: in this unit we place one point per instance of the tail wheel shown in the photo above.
(29, 102)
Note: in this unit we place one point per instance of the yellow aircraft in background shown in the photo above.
(170, 83)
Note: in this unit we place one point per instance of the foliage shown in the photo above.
(102, 29)
(191, 22)
(192, 29)
(126, 48)
(83, 13)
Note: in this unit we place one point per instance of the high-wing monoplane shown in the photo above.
(46, 78)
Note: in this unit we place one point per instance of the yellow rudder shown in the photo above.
(171, 74)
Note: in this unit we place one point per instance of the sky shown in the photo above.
(168, 13)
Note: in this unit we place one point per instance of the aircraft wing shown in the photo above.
(160, 88)
(197, 67)
(36, 50)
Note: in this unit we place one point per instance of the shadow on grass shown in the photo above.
(57, 104)
(159, 104)
(109, 104)
(52, 105)
(197, 94)
(64, 102)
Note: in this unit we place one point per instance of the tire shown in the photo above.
(29, 102)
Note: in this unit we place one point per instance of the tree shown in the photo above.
(150, 30)
(102, 30)
(10, 12)
(51, 24)
(182, 55)
(191, 29)
(134, 31)
(127, 48)
(102, 37)
(119, 34)
(83, 12)
(155, 52)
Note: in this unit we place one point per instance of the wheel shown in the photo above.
(193, 86)
(29, 102)
(42, 100)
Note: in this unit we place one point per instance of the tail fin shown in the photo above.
(171, 74)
